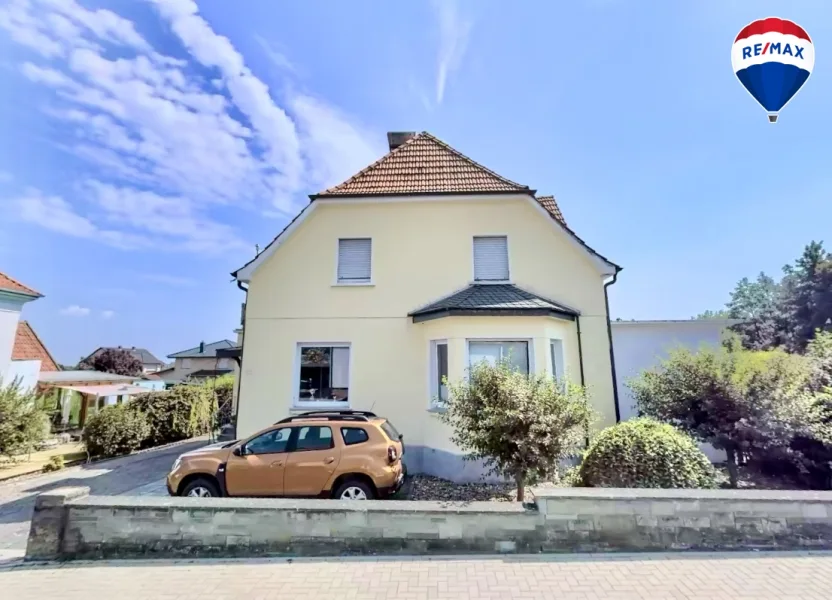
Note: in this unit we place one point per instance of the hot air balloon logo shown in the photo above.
(773, 58)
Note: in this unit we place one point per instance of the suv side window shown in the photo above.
(354, 435)
(314, 438)
(271, 442)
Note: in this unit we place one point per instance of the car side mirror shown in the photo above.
(239, 451)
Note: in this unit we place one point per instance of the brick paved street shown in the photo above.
(688, 576)
(140, 474)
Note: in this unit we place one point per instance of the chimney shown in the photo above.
(397, 138)
(201, 347)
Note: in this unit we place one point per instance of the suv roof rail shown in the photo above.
(329, 415)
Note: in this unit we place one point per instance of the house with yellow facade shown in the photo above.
(415, 268)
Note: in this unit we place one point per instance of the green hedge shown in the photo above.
(180, 413)
(115, 430)
(647, 454)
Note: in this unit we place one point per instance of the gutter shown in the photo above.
(612, 353)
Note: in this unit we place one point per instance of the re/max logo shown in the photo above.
(772, 48)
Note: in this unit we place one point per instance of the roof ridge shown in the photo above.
(472, 161)
(368, 171)
(374, 164)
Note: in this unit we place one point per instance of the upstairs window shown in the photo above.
(354, 257)
(491, 258)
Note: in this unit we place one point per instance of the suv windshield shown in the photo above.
(390, 431)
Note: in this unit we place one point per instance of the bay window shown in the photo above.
(516, 352)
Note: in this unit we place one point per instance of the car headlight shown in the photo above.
(176, 464)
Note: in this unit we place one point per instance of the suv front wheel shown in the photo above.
(201, 488)
(354, 489)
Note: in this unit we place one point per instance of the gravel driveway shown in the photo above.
(140, 474)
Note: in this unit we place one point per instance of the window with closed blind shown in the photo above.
(354, 260)
(491, 258)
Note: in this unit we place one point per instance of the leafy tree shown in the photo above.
(22, 424)
(751, 299)
(741, 401)
(113, 360)
(711, 314)
(521, 426)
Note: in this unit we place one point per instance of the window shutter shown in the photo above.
(491, 258)
(354, 259)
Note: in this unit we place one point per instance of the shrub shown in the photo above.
(180, 413)
(56, 463)
(522, 426)
(115, 430)
(223, 390)
(647, 454)
(23, 425)
(748, 403)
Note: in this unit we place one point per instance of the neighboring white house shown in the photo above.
(200, 362)
(25, 366)
(640, 345)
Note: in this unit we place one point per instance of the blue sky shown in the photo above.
(149, 145)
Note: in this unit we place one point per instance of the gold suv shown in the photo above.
(346, 454)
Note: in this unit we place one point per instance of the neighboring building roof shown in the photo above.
(28, 346)
(209, 373)
(492, 300)
(203, 350)
(108, 390)
(423, 165)
(551, 205)
(143, 355)
(65, 376)
(7, 284)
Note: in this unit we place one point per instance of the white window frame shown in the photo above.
(223, 363)
(529, 345)
(297, 403)
(474, 279)
(433, 372)
(557, 359)
(357, 282)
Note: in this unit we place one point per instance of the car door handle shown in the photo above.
(277, 463)
(329, 460)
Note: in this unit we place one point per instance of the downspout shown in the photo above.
(240, 362)
(581, 365)
(612, 354)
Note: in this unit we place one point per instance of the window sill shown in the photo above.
(490, 282)
(353, 284)
(437, 410)
(319, 406)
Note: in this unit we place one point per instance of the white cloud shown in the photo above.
(107, 314)
(74, 310)
(278, 59)
(176, 144)
(454, 31)
(172, 280)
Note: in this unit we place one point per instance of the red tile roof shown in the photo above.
(27, 346)
(7, 284)
(423, 165)
(551, 205)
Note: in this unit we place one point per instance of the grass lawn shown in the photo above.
(33, 463)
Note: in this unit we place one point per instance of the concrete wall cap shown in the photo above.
(680, 494)
(60, 496)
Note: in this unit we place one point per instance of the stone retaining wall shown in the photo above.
(68, 524)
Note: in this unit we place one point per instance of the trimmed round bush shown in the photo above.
(644, 453)
(114, 431)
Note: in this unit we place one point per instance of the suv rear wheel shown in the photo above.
(354, 489)
(201, 488)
